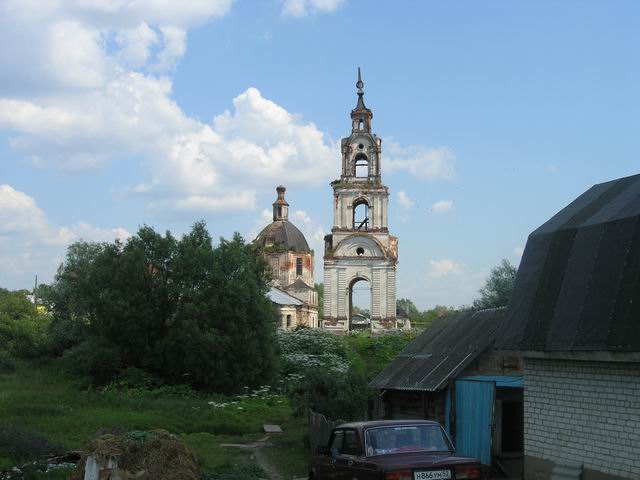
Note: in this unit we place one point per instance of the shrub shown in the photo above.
(234, 472)
(305, 349)
(336, 396)
(7, 363)
(25, 445)
(94, 358)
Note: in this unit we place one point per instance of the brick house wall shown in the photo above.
(582, 411)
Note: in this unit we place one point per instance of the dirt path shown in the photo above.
(257, 454)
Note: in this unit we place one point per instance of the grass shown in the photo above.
(41, 399)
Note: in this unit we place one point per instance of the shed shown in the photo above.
(574, 316)
(451, 373)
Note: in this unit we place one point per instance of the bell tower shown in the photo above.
(360, 248)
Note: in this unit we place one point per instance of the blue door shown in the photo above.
(474, 418)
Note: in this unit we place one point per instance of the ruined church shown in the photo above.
(360, 248)
(291, 260)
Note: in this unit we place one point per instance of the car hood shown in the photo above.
(421, 459)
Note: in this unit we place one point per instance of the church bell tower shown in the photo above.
(360, 249)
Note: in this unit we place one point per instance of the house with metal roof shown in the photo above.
(574, 317)
(451, 373)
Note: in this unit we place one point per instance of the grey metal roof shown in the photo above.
(282, 298)
(299, 284)
(578, 285)
(284, 233)
(441, 352)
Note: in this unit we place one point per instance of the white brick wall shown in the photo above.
(585, 412)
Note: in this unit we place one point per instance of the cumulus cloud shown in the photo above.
(442, 206)
(31, 243)
(420, 161)
(443, 267)
(302, 8)
(404, 201)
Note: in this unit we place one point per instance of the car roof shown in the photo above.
(386, 423)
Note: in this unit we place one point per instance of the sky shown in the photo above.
(493, 116)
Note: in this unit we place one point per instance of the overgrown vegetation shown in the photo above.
(496, 291)
(175, 309)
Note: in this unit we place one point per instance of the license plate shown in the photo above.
(432, 475)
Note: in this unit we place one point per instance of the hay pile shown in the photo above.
(153, 455)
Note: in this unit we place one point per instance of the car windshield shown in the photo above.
(406, 438)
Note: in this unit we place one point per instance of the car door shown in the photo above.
(351, 463)
(327, 464)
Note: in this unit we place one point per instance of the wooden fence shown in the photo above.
(319, 429)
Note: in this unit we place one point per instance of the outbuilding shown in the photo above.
(574, 317)
(451, 373)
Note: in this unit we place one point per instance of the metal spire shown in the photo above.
(360, 84)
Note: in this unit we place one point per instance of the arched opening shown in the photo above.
(359, 251)
(361, 215)
(361, 166)
(360, 304)
(288, 321)
(360, 124)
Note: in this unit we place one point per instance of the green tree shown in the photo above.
(23, 330)
(320, 291)
(183, 310)
(498, 287)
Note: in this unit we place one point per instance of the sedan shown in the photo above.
(391, 450)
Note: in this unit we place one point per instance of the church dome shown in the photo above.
(282, 234)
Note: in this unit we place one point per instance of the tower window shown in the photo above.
(360, 251)
(299, 267)
(361, 166)
(361, 215)
(360, 124)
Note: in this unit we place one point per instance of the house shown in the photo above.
(574, 317)
(451, 373)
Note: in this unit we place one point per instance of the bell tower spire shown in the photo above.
(361, 116)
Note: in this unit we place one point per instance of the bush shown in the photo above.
(25, 445)
(342, 397)
(305, 349)
(94, 358)
(7, 363)
(234, 472)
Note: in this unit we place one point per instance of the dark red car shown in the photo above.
(391, 450)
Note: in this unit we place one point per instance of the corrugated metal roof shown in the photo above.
(578, 285)
(282, 298)
(441, 351)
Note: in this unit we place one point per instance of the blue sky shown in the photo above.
(493, 115)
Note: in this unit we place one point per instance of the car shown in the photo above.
(391, 450)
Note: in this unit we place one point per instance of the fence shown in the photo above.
(319, 429)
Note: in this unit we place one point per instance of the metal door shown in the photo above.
(474, 418)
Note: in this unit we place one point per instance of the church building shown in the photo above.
(291, 260)
(360, 249)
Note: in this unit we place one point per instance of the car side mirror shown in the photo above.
(321, 450)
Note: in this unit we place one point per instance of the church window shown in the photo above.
(361, 165)
(361, 124)
(361, 146)
(360, 251)
(299, 267)
(288, 320)
(361, 215)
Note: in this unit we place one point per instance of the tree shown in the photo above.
(183, 310)
(23, 330)
(498, 287)
(320, 290)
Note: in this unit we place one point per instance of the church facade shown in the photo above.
(360, 247)
(287, 252)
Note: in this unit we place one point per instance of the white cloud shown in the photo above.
(518, 251)
(30, 242)
(442, 206)
(419, 161)
(443, 267)
(302, 8)
(404, 201)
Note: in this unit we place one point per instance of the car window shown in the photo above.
(351, 443)
(336, 441)
(405, 438)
